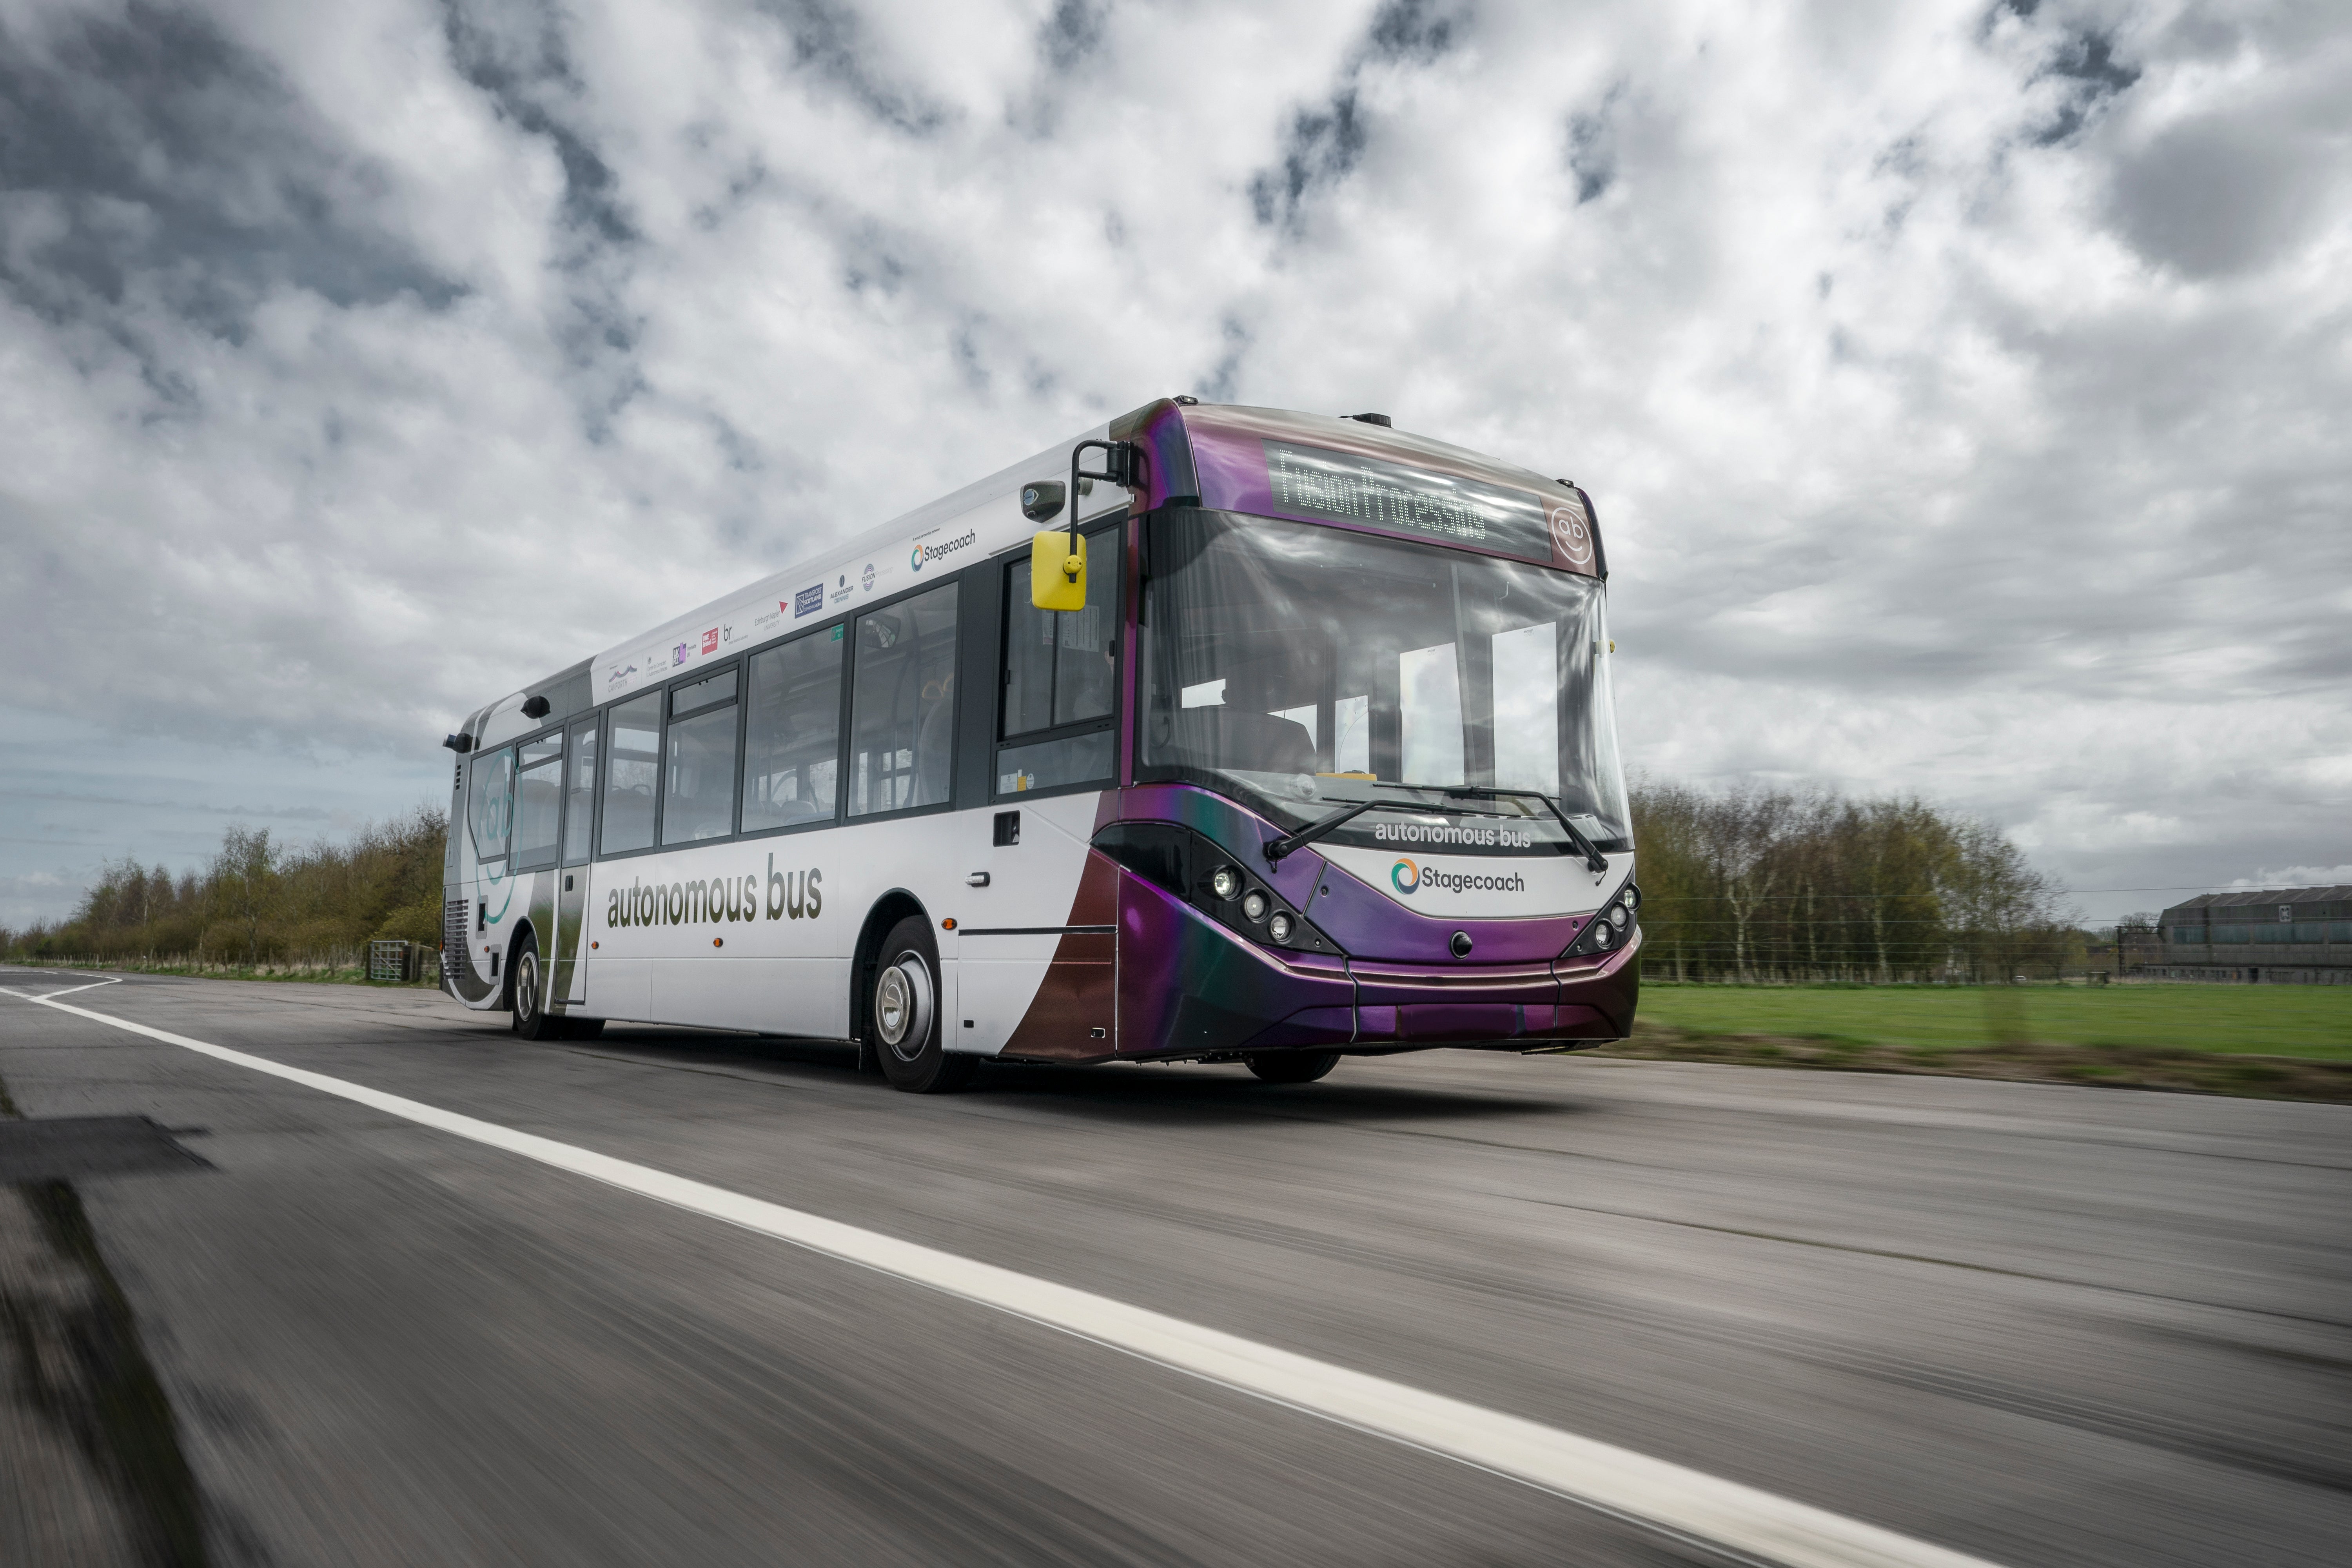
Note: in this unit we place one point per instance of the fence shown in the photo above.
(403, 962)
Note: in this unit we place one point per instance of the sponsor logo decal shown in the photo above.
(1410, 876)
(807, 600)
(841, 590)
(711, 640)
(618, 673)
(678, 654)
(924, 554)
(786, 895)
(866, 580)
(1571, 531)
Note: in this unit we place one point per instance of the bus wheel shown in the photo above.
(530, 1019)
(903, 1012)
(1292, 1067)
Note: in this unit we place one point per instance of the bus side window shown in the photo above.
(791, 734)
(632, 769)
(902, 704)
(698, 790)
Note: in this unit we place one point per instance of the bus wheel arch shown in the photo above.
(892, 907)
(521, 933)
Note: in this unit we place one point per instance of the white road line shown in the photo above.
(68, 990)
(1618, 1481)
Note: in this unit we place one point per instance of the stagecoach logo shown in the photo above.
(808, 601)
(787, 895)
(924, 554)
(1571, 532)
(1410, 877)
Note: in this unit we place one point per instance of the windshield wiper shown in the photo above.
(1594, 861)
(1315, 830)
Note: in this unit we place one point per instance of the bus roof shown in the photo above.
(1272, 462)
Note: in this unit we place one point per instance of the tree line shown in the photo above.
(257, 902)
(1756, 884)
(1743, 884)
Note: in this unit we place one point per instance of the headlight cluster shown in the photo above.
(1211, 880)
(1610, 929)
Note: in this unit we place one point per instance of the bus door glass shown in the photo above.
(579, 819)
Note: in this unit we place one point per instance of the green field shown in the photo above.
(2308, 1021)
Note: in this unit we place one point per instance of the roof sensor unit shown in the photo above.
(1379, 419)
(535, 707)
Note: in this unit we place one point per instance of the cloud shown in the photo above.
(1962, 387)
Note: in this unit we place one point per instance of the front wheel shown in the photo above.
(902, 1014)
(1292, 1067)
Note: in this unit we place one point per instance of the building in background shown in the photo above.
(2294, 936)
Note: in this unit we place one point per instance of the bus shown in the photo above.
(1216, 734)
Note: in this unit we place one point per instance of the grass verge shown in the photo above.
(2271, 1042)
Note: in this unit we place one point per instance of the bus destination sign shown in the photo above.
(1345, 487)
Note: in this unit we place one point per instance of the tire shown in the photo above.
(1292, 1067)
(902, 1014)
(531, 1019)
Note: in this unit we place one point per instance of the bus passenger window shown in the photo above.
(631, 772)
(902, 704)
(699, 796)
(579, 801)
(792, 745)
(539, 797)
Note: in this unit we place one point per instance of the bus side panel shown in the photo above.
(807, 996)
(1075, 1013)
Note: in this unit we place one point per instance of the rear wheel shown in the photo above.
(902, 1014)
(532, 1020)
(1292, 1067)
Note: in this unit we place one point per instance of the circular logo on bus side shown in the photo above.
(916, 560)
(1571, 534)
(1405, 876)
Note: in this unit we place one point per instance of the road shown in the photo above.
(2035, 1324)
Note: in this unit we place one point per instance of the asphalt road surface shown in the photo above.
(2037, 1325)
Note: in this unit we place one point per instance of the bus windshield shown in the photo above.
(1315, 668)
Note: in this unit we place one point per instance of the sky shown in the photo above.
(1963, 388)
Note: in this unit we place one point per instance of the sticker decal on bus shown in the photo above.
(790, 895)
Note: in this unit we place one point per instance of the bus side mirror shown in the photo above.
(1058, 570)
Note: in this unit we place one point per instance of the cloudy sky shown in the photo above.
(1964, 387)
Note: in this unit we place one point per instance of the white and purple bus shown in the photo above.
(1316, 760)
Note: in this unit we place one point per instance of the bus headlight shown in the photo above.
(1210, 881)
(1602, 937)
(1617, 917)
